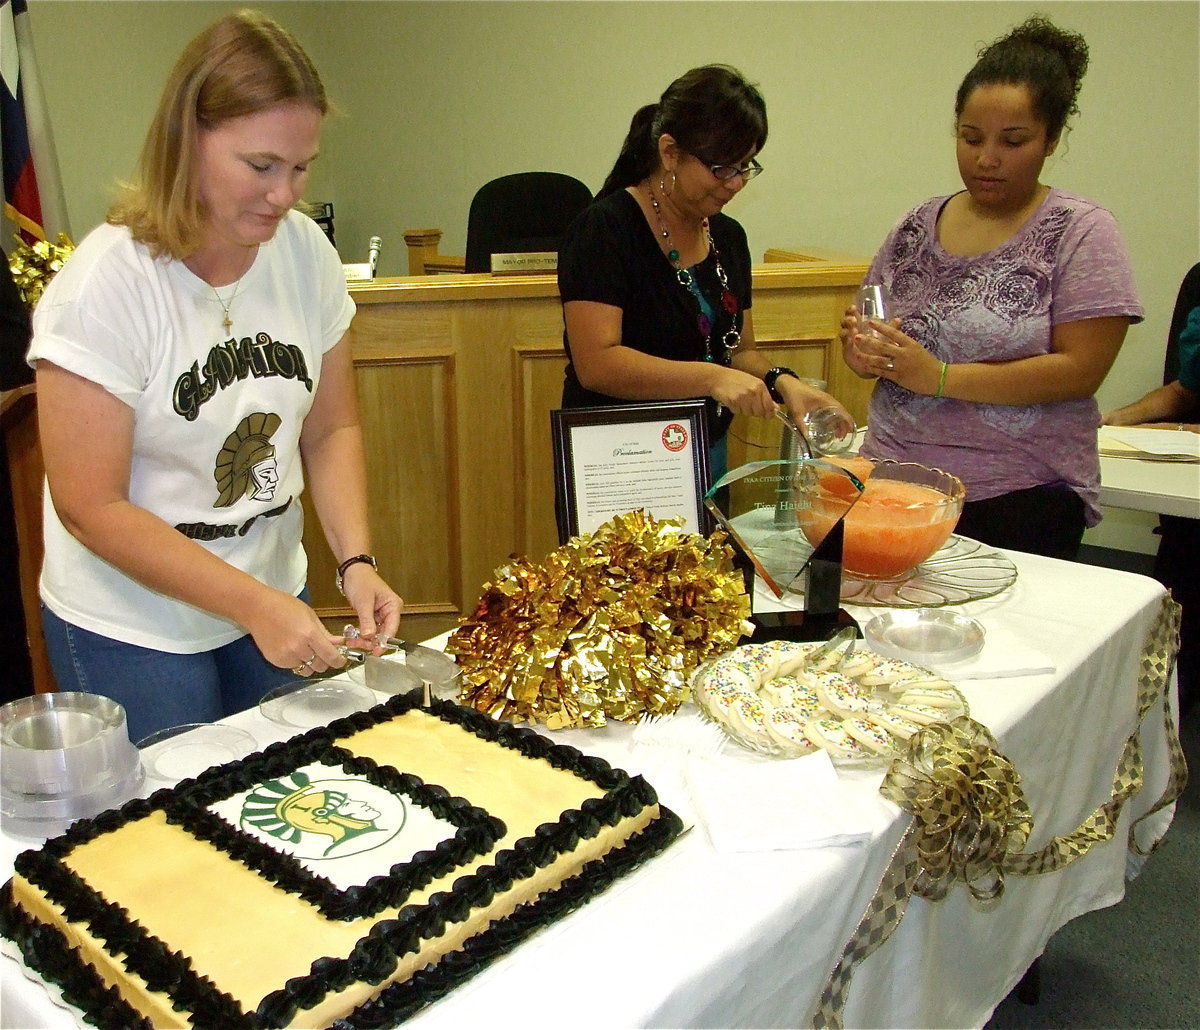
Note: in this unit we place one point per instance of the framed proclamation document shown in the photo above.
(616, 459)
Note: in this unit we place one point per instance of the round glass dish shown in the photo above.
(304, 705)
(929, 637)
(180, 752)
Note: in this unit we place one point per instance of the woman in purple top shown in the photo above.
(1010, 301)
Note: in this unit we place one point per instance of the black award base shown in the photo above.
(801, 626)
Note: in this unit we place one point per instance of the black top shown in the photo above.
(611, 255)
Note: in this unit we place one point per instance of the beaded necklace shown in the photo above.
(733, 338)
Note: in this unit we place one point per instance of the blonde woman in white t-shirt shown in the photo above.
(193, 377)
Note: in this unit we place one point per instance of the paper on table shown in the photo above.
(1158, 444)
(779, 804)
(1004, 654)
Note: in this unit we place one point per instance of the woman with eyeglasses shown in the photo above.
(655, 277)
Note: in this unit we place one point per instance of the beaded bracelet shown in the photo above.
(941, 381)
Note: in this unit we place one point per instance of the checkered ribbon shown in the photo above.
(924, 857)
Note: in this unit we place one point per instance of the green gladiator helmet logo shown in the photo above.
(321, 817)
(246, 465)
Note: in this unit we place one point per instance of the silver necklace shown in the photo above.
(733, 338)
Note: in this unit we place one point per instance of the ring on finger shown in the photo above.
(890, 366)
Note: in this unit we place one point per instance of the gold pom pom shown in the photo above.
(608, 626)
(33, 265)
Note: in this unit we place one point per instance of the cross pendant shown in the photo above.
(228, 323)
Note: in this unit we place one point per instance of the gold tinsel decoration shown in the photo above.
(33, 265)
(608, 626)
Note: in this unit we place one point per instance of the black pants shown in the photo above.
(1044, 520)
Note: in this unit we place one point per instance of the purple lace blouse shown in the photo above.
(1066, 264)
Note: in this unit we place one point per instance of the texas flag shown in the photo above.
(33, 197)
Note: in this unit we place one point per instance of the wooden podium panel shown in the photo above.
(458, 375)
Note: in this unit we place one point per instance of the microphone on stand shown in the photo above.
(373, 248)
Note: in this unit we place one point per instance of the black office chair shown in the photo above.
(521, 213)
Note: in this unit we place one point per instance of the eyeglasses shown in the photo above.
(727, 172)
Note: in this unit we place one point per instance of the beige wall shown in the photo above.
(438, 97)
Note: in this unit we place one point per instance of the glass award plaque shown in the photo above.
(786, 518)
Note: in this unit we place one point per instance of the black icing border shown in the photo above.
(477, 833)
(399, 1001)
(376, 955)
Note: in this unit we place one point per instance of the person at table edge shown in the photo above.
(1010, 301)
(1176, 405)
(190, 355)
(655, 277)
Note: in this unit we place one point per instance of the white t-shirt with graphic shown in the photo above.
(217, 415)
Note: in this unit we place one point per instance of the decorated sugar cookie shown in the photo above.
(949, 700)
(728, 673)
(793, 657)
(870, 734)
(748, 715)
(924, 681)
(896, 725)
(886, 672)
(807, 705)
(859, 664)
(840, 693)
(926, 715)
(760, 661)
(831, 735)
(780, 691)
(786, 728)
(719, 693)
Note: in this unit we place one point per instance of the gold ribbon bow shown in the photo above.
(970, 818)
(969, 808)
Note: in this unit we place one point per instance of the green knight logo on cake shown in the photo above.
(313, 814)
(335, 823)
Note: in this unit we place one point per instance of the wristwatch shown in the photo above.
(772, 375)
(365, 559)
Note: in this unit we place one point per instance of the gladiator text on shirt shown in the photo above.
(216, 531)
(233, 361)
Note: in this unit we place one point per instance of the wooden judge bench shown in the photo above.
(457, 376)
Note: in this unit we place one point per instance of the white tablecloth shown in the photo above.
(1169, 488)
(699, 937)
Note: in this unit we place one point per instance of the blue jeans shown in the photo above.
(157, 688)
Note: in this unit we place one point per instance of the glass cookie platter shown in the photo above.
(790, 699)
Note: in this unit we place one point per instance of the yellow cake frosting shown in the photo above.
(248, 937)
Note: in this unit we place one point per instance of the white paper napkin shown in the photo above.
(779, 804)
(1004, 654)
(1155, 443)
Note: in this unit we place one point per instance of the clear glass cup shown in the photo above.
(872, 302)
(828, 431)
